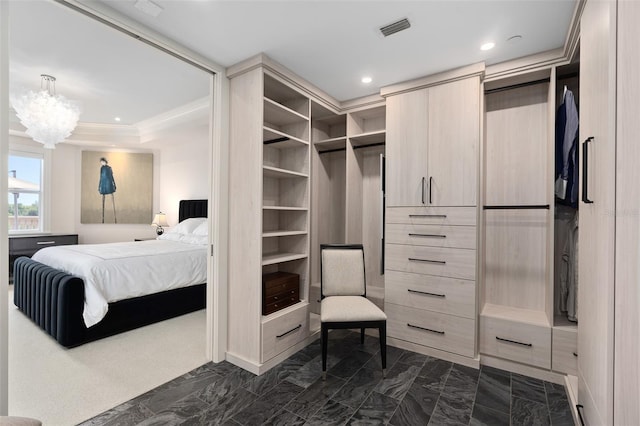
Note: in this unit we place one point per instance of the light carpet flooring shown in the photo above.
(64, 387)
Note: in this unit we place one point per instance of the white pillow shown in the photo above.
(187, 226)
(202, 229)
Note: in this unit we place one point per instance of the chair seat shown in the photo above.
(349, 308)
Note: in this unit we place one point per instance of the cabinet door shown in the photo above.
(454, 136)
(406, 149)
(627, 298)
(597, 219)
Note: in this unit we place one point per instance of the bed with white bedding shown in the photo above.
(84, 292)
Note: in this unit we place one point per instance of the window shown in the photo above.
(25, 192)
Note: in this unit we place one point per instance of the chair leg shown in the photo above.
(383, 347)
(362, 336)
(325, 338)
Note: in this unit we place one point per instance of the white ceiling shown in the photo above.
(329, 43)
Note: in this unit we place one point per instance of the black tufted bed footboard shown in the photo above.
(54, 300)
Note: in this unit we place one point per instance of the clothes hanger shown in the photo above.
(565, 91)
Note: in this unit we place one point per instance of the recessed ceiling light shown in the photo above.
(116, 118)
(487, 46)
(148, 7)
(366, 79)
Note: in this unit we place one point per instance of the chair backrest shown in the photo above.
(342, 270)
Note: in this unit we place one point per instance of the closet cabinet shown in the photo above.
(268, 212)
(433, 155)
(433, 138)
(347, 189)
(608, 299)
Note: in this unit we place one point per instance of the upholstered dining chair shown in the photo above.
(343, 294)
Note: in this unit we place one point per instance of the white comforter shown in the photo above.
(118, 271)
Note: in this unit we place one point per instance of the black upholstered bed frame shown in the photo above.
(54, 300)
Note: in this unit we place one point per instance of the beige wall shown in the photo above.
(180, 171)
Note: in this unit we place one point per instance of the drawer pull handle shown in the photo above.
(428, 235)
(514, 342)
(425, 329)
(45, 243)
(289, 332)
(575, 354)
(579, 408)
(426, 293)
(428, 215)
(439, 262)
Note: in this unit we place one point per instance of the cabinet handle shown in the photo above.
(426, 293)
(422, 192)
(425, 329)
(428, 235)
(439, 262)
(430, 186)
(45, 243)
(575, 354)
(585, 171)
(514, 342)
(443, 216)
(579, 409)
(289, 332)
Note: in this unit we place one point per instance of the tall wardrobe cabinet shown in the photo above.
(432, 161)
(609, 295)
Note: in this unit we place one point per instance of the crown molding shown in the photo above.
(198, 111)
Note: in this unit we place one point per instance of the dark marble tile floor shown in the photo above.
(418, 390)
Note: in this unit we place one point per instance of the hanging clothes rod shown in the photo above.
(518, 207)
(369, 145)
(270, 141)
(355, 147)
(332, 150)
(517, 86)
(567, 76)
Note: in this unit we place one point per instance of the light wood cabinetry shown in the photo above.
(269, 215)
(432, 168)
(347, 189)
(516, 315)
(609, 325)
(433, 155)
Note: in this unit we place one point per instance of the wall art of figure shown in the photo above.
(107, 186)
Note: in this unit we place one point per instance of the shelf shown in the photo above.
(275, 172)
(269, 134)
(283, 312)
(509, 313)
(368, 138)
(287, 208)
(280, 115)
(282, 233)
(561, 321)
(273, 258)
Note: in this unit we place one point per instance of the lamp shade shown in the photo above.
(160, 219)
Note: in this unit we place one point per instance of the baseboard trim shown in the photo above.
(259, 369)
(436, 353)
(571, 383)
(526, 370)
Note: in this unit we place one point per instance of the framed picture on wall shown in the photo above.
(116, 187)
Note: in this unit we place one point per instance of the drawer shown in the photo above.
(440, 294)
(280, 301)
(431, 235)
(31, 244)
(525, 343)
(284, 330)
(445, 332)
(432, 215)
(564, 351)
(279, 282)
(444, 262)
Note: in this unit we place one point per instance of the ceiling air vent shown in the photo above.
(395, 27)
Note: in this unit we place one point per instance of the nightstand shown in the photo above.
(27, 245)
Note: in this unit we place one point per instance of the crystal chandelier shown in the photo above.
(49, 118)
